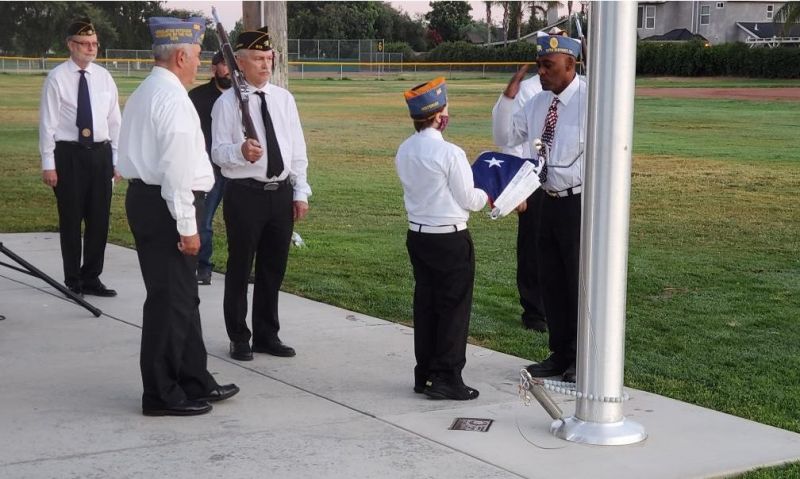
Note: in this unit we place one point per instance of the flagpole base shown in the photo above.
(600, 434)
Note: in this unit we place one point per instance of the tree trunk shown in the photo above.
(275, 19)
(488, 22)
(251, 15)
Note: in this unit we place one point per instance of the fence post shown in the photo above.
(302, 70)
(341, 72)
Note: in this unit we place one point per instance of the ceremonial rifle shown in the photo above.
(584, 47)
(237, 79)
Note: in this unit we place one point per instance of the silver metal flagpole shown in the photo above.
(599, 415)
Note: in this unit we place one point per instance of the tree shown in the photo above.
(448, 19)
(516, 12)
(789, 13)
(489, 21)
(353, 21)
(506, 6)
(130, 22)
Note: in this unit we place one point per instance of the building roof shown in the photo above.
(677, 35)
(769, 29)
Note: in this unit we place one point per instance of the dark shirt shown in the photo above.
(203, 98)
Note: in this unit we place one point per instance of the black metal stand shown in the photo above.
(34, 271)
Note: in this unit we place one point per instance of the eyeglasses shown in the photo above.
(86, 44)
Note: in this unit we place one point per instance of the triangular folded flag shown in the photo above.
(507, 180)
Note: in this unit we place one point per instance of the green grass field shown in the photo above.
(714, 269)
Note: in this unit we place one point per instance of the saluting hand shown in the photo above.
(189, 245)
(251, 150)
(513, 85)
(50, 178)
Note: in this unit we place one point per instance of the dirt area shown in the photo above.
(791, 94)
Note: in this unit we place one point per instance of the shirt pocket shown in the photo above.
(569, 146)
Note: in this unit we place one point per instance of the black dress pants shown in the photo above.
(444, 273)
(559, 264)
(259, 224)
(530, 291)
(173, 356)
(83, 195)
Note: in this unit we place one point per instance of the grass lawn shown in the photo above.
(714, 269)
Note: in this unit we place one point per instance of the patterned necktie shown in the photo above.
(274, 158)
(547, 135)
(84, 119)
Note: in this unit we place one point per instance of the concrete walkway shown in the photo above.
(343, 408)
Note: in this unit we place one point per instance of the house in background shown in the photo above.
(717, 22)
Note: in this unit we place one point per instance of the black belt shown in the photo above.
(259, 185)
(75, 144)
(574, 191)
(139, 183)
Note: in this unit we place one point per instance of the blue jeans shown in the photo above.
(206, 230)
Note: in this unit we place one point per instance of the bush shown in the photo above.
(730, 59)
(467, 52)
(400, 47)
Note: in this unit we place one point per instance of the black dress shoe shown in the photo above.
(275, 348)
(549, 367)
(99, 289)
(204, 278)
(219, 393)
(187, 407)
(569, 374)
(440, 389)
(76, 289)
(241, 351)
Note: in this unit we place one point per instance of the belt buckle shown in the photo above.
(271, 186)
(554, 194)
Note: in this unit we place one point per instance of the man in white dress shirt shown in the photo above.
(79, 124)
(439, 193)
(558, 117)
(266, 192)
(530, 292)
(162, 152)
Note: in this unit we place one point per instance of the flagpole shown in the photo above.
(599, 417)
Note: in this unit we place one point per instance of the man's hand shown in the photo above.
(251, 150)
(117, 176)
(522, 207)
(189, 245)
(50, 178)
(513, 85)
(300, 210)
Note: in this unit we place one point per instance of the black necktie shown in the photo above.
(547, 135)
(274, 158)
(84, 119)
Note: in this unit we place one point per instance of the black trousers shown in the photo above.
(83, 195)
(444, 273)
(173, 356)
(530, 292)
(259, 224)
(559, 240)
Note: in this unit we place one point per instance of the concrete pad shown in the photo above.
(343, 407)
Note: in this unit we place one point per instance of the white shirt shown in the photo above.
(162, 144)
(227, 135)
(58, 109)
(438, 188)
(527, 90)
(565, 163)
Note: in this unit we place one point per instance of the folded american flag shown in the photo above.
(507, 179)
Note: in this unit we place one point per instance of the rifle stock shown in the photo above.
(237, 79)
